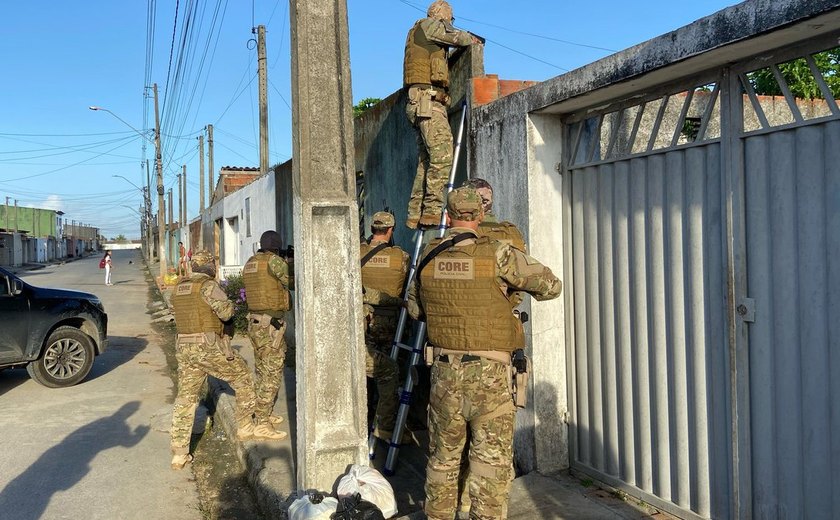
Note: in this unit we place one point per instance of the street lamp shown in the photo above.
(123, 121)
(128, 181)
(159, 168)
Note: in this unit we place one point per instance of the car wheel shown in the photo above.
(66, 360)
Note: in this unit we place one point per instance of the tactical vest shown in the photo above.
(425, 61)
(192, 314)
(263, 291)
(465, 307)
(503, 232)
(385, 271)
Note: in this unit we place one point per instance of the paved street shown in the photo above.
(88, 451)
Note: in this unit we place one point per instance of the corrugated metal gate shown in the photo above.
(703, 287)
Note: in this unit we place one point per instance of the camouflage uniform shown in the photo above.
(508, 233)
(471, 387)
(268, 341)
(381, 306)
(203, 354)
(426, 79)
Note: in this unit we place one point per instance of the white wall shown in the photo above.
(237, 245)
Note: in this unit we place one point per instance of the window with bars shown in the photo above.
(792, 91)
(676, 119)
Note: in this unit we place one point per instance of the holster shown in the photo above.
(428, 354)
(278, 333)
(424, 102)
(224, 346)
(520, 370)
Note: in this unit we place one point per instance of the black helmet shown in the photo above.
(270, 241)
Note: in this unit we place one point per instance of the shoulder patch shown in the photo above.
(454, 269)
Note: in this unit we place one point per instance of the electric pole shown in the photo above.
(184, 202)
(200, 174)
(263, 82)
(159, 169)
(169, 227)
(147, 194)
(210, 161)
(180, 200)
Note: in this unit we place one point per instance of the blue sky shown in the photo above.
(61, 57)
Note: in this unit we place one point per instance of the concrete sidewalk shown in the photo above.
(270, 466)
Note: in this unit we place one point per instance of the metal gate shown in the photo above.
(703, 287)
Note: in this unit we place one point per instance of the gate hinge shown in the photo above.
(746, 310)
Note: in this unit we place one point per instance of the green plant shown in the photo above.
(363, 105)
(234, 287)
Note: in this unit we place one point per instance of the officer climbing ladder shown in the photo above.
(416, 346)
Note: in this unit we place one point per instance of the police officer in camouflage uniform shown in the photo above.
(462, 292)
(426, 80)
(384, 268)
(201, 306)
(491, 226)
(266, 277)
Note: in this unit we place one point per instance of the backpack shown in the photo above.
(102, 263)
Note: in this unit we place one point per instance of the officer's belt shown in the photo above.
(426, 86)
(196, 337)
(439, 92)
(445, 355)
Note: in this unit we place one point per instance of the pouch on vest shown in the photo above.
(439, 68)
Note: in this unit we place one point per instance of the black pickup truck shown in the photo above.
(54, 333)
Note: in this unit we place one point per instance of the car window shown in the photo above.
(4, 286)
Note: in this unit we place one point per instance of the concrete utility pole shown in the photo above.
(16, 216)
(210, 162)
(159, 168)
(263, 81)
(184, 197)
(7, 214)
(331, 404)
(180, 200)
(169, 227)
(200, 174)
(147, 193)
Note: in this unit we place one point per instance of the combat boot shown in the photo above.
(179, 461)
(266, 431)
(245, 432)
(275, 420)
(385, 435)
(429, 221)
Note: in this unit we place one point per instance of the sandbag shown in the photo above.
(372, 487)
(313, 507)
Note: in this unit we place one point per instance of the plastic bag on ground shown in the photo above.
(313, 507)
(371, 485)
(356, 508)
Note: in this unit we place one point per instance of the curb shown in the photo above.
(263, 478)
